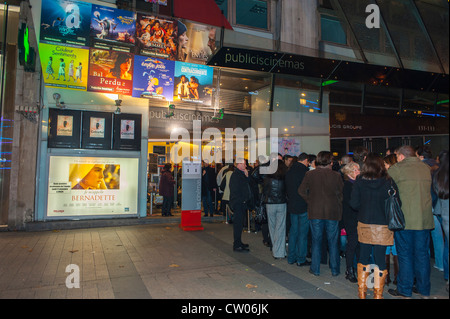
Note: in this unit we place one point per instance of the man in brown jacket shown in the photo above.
(322, 190)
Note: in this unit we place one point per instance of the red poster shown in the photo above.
(110, 72)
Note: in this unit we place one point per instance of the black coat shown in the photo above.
(349, 215)
(368, 197)
(274, 190)
(240, 192)
(294, 177)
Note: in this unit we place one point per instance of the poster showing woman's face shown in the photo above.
(94, 176)
(110, 72)
(195, 43)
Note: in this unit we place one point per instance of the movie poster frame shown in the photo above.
(127, 144)
(96, 142)
(64, 141)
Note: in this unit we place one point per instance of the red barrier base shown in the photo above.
(191, 220)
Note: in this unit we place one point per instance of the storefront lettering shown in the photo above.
(346, 126)
(427, 128)
(263, 61)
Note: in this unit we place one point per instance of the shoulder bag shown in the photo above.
(393, 211)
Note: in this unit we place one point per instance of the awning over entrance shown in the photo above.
(330, 70)
(204, 11)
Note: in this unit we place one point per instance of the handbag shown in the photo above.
(393, 211)
(260, 211)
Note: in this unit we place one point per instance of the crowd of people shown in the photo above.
(318, 208)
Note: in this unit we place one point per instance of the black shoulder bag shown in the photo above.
(393, 211)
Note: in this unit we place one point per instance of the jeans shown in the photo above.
(413, 251)
(298, 238)
(438, 244)
(331, 229)
(208, 204)
(276, 219)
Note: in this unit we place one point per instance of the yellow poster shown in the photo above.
(64, 66)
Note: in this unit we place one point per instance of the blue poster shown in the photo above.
(193, 83)
(65, 21)
(153, 78)
(113, 25)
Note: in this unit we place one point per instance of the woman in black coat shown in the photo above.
(350, 219)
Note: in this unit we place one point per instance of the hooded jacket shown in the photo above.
(368, 198)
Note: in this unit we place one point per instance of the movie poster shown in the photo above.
(196, 43)
(64, 66)
(65, 21)
(289, 146)
(153, 78)
(155, 36)
(127, 129)
(64, 125)
(110, 25)
(92, 186)
(193, 83)
(97, 127)
(110, 71)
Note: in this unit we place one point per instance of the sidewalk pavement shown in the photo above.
(158, 260)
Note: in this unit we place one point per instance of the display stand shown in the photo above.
(191, 206)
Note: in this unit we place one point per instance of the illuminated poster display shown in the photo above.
(193, 83)
(110, 71)
(196, 43)
(64, 66)
(153, 78)
(155, 36)
(86, 186)
(65, 21)
(110, 25)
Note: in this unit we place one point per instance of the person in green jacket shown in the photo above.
(413, 179)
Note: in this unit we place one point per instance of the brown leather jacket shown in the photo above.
(322, 190)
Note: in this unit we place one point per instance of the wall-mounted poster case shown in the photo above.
(96, 132)
(127, 132)
(64, 128)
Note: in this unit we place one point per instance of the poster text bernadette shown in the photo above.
(81, 198)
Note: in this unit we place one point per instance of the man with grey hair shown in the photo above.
(413, 179)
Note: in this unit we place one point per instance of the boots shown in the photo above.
(350, 275)
(363, 272)
(379, 282)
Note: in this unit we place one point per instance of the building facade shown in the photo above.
(97, 85)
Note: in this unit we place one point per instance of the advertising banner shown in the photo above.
(193, 83)
(155, 36)
(64, 66)
(196, 42)
(86, 186)
(289, 146)
(112, 26)
(65, 21)
(153, 78)
(110, 72)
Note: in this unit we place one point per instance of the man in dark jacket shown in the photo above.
(166, 185)
(240, 200)
(209, 187)
(297, 209)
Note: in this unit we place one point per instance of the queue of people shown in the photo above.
(310, 208)
(313, 202)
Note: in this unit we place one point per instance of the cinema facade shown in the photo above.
(319, 76)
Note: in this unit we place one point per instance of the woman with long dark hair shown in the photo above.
(440, 186)
(369, 194)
